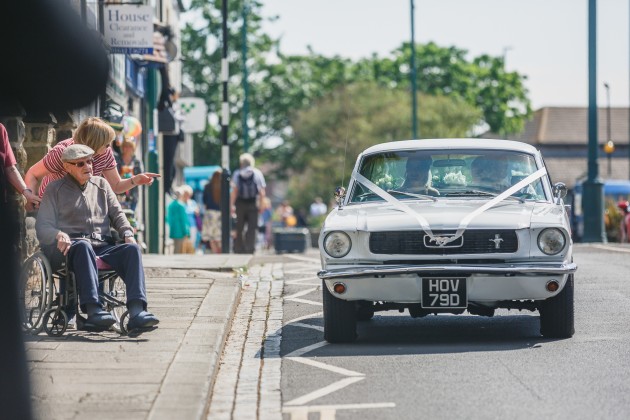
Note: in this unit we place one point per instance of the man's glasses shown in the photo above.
(83, 163)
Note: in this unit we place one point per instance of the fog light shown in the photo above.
(339, 288)
(553, 286)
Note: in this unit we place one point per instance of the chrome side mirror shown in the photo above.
(559, 191)
(340, 194)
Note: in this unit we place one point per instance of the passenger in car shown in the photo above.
(490, 172)
(418, 176)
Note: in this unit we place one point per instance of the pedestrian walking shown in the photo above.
(266, 217)
(211, 229)
(285, 214)
(179, 227)
(624, 223)
(318, 207)
(194, 215)
(248, 189)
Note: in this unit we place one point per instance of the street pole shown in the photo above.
(153, 190)
(593, 187)
(609, 147)
(414, 97)
(245, 82)
(225, 148)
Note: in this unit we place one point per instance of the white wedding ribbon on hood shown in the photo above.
(443, 240)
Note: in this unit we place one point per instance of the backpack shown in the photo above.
(247, 189)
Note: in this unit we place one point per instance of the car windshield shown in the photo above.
(426, 174)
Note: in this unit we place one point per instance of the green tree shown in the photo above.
(281, 85)
(201, 56)
(482, 82)
(328, 136)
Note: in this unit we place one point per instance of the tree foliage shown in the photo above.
(201, 56)
(329, 135)
(282, 85)
(482, 82)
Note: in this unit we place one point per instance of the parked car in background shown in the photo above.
(448, 226)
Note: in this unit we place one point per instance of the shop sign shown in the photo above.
(129, 29)
(195, 113)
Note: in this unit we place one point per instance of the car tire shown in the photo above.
(557, 313)
(340, 318)
(365, 312)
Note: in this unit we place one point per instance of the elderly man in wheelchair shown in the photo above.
(73, 224)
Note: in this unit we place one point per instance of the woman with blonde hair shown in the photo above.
(98, 135)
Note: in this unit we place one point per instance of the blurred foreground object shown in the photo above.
(51, 61)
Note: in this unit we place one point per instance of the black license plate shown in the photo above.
(444, 292)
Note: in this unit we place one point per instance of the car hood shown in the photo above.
(445, 215)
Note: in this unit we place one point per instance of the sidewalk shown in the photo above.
(162, 374)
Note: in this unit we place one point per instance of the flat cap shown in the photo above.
(76, 151)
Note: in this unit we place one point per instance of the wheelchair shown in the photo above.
(46, 292)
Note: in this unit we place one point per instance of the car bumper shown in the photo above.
(485, 284)
(498, 269)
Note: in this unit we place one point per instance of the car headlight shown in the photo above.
(337, 244)
(551, 241)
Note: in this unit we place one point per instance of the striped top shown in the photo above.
(52, 162)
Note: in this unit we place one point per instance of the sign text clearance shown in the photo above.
(129, 29)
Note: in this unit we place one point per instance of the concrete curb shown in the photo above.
(190, 378)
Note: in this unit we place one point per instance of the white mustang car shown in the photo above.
(447, 226)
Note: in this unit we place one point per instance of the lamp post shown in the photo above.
(609, 147)
(244, 12)
(225, 147)
(593, 198)
(414, 97)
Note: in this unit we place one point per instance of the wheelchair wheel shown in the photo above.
(116, 289)
(55, 322)
(124, 322)
(35, 291)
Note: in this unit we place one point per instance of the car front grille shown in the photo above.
(414, 242)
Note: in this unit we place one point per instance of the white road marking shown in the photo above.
(303, 317)
(326, 412)
(302, 280)
(611, 248)
(313, 327)
(308, 302)
(300, 293)
(318, 408)
(335, 386)
(331, 368)
(304, 350)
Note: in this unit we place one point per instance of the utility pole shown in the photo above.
(245, 82)
(609, 147)
(225, 147)
(414, 97)
(593, 187)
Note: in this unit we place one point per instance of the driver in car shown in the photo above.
(418, 176)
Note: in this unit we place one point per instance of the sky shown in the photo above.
(546, 40)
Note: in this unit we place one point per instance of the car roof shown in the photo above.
(470, 143)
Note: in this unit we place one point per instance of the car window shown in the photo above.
(454, 173)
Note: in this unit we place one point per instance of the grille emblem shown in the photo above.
(497, 241)
(438, 241)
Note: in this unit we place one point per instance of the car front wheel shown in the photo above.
(340, 318)
(557, 314)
